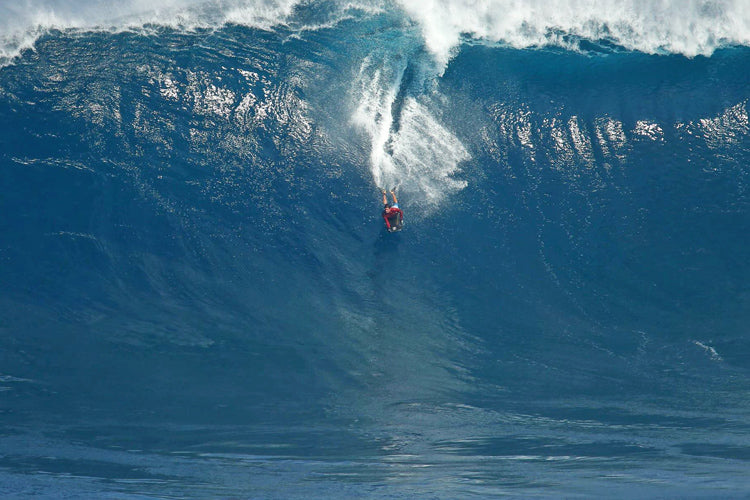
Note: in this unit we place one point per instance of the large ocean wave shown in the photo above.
(198, 297)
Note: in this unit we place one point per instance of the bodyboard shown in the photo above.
(397, 223)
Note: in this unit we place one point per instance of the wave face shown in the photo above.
(199, 299)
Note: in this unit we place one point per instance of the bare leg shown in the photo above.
(385, 199)
(393, 194)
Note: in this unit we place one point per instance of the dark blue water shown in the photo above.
(198, 298)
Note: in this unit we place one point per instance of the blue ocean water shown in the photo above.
(198, 298)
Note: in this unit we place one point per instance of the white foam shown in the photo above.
(426, 155)
(709, 350)
(376, 91)
(689, 27)
(413, 150)
(23, 23)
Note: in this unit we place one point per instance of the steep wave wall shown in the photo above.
(191, 236)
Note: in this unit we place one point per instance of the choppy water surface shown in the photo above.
(198, 298)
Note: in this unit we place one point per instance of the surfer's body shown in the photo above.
(393, 216)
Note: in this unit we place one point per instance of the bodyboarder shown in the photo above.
(393, 216)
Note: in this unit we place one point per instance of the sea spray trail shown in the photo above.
(378, 92)
(410, 148)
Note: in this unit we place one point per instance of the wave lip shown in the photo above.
(22, 25)
(690, 28)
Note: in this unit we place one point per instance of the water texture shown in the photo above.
(198, 298)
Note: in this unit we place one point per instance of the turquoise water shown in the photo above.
(198, 298)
